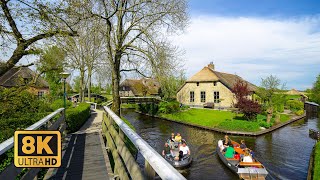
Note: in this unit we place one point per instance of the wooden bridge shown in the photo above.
(88, 152)
(139, 100)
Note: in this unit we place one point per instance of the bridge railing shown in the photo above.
(154, 162)
(48, 123)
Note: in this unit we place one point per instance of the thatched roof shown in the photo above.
(208, 74)
(140, 86)
(19, 76)
(295, 92)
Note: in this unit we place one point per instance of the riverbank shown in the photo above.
(314, 164)
(255, 131)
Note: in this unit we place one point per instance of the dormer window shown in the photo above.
(197, 83)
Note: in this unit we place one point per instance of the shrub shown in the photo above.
(249, 108)
(299, 112)
(149, 108)
(59, 103)
(77, 116)
(264, 124)
(169, 107)
(295, 105)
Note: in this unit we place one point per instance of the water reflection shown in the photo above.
(285, 152)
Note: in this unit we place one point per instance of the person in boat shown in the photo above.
(229, 151)
(178, 138)
(171, 141)
(184, 148)
(247, 157)
(167, 150)
(226, 141)
(220, 145)
(243, 145)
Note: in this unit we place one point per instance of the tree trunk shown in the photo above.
(115, 84)
(269, 114)
(81, 91)
(89, 83)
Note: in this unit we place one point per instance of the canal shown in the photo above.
(284, 152)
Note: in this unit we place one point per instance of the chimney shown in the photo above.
(211, 65)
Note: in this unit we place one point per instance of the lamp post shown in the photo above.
(64, 76)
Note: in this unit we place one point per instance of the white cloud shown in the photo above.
(252, 47)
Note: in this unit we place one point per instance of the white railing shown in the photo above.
(11, 171)
(154, 162)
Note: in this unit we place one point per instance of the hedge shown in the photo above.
(295, 105)
(77, 116)
(59, 103)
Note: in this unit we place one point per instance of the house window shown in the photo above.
(123, 88)
(216, 96)
(191, 96)
(197, 83)
(215, 83)
(40, 94)
(203, 96)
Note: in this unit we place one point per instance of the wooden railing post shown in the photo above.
(150, 173)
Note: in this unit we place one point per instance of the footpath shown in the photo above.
(84, 155)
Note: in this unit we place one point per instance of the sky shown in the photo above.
(254, 39)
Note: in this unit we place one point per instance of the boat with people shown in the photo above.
(177, 152)
(242, 161)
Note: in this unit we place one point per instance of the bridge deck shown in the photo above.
(83, 155)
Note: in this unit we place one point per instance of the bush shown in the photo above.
(299, 112)
(264, 124)
(77, 116)
(149, 108)
(295, 105)
(59, 103)
(169, 107)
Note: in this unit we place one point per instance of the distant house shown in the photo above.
(302, 98)
(21, 76)
(210, 86)
(139, 87)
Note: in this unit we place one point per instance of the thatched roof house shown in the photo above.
(139, 87)
(209, 85)
(21, 76)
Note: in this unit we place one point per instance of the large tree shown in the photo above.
(315, 92)
(132, 27)
(25, 23)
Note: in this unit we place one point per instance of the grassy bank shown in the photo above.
(316, 167)
(225, 120)
(129, 106)
(213, 118)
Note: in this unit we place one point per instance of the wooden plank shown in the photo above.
(10, 172)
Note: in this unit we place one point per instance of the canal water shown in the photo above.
(284, 152)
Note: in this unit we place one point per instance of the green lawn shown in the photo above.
(316, 167)
(214, 118)
(284, 118)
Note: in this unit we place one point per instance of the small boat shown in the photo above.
(185, 160)
(245, 170)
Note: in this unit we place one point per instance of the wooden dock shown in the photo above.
(84, 156)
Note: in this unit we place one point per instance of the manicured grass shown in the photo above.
(284, 118)
(316, 167)
(214, 118)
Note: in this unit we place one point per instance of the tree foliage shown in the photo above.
(25, 23)
(247, 106)
(51, 63)
(315, 92)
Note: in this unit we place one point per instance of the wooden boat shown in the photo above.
(245, 170)
(183, 163)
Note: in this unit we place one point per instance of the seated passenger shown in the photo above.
(226, 141)
(178, 138)
(229, 152)
(220, 145)
(167, 150)
(171, 141)
(184, 148)
(247, 157)
(243, 145)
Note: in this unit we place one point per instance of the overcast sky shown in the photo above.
(254, 39)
